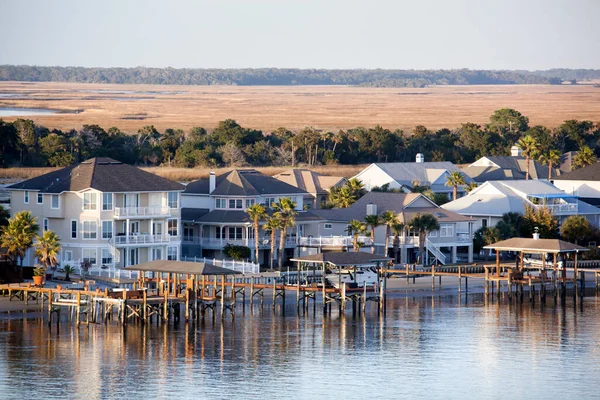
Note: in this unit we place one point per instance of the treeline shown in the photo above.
(26, 144)
(283, 76)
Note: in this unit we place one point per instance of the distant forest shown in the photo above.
(283, 76)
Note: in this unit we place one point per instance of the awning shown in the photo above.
(343, 258)
(181, 267)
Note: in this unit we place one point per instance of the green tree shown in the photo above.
(508, 122)
(584, 157)
(256, 212)
(551, 158)
(355, 228)
(455, 179)
(10, 145)
(17, 237)
(388, 218)
(540, 218)
(485, 236)
(236, 252)
(4, 216)
(509, 225)
(272, 224)
(471, 186)
(47, 248)
(423, 224)
(529, 149)
(372, 222)
(575, 228)
(285, 211)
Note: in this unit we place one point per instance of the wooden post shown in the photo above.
(145, 305)
(407, 275)
(433, 277)
(274, 292)
(251, 291)
(343, 299)
(187, 304)
(459, 278)
(166, 305)
(498, 263)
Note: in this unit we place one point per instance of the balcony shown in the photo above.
(142, 240)
(346, 241)
(214, 243)
(141, 212)
(561, 209)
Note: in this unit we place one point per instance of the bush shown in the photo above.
(236, 252)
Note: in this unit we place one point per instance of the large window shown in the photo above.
(107, 229)
(220, 203)
(157, 253)
(173, 198)
(90, 201)
(235, 233)
(55, 201)
(89, 255)
(26, 197)
(172, 227)
(235, 203)
(40, 198)
(73, 229)
(171, 253)
(446, 230)
(107, 201)
(107, 257)
(269, 201)
(90, 230)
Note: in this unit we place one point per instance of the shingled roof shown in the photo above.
(100, 173)
(243, 183)
(536, 246)
(589, 173)
(309, 181)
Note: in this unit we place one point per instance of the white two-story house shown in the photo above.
(106, 212)
(214, 212)
(327, 230)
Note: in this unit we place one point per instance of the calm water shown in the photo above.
(423, 348)
(18, 112)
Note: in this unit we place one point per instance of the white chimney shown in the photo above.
(515, 151)
(371, 209)
(536, 234)
(212, 182)
(420, 158)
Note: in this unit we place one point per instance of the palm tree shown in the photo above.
(341, 197)
(423, 224)
(372, 222)
(47, 249)
(388, 218)
(398, 229)
(584, 157)
(356, 187)
(355, 228)
(455, 179)
(257, 212)
(471, 186)
(285, 211)
(509, 225)
(551, 158)
(17, 236)
(272, 224)
(529, 147)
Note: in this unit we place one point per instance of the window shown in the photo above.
(235, 203)
(249, 203)
(89, 255)
(432, 234)
(55, 202)
(26, 197)
(107, 228)
(269, 201)
(219, 233)
(484, 223)
(156, 253)
(235, 233)
(107, 201)
(173, 198)
(328, 226)
(107, 257)
(89, 201)
(40, 198)
(171, 253)
(323, 201)
(68, 255)
(220, 203)
(46, 224)
(90, 229)
(73, 229)
(172, 227)
(308, 205)
(446, 231)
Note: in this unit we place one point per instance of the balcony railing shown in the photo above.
(264, 242)
(137, 212)
(126, 240)
(561, 209)
(346, 241)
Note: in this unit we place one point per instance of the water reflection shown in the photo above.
(424, 347)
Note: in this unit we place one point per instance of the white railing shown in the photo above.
(264, 242)
(561, 209)
(142, 239)
(433, 249)
(142, 211)
(346, 241)
(245, 267)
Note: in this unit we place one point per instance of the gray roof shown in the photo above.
(509, 167)
(101, 173)
(589, 173)
(342, 258)
(243, 183)
(181, 267)
(193, 214)
(226, 217)
(425, 173)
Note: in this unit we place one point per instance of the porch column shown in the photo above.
(150, 254)
(222, 234)
(151, 230)
(454, 256)
(470, 252)
(127, 230)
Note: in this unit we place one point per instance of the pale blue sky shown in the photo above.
(418, 34)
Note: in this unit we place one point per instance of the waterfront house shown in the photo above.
(511, 167)
(214, 212)
(487, 203)
(584, 183)
(327, 230)
(405, 175)
(106, 212)
(316, 185)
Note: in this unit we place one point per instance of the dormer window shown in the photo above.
(220, 203)
(235, 203)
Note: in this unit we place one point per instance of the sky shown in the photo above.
(394, 34)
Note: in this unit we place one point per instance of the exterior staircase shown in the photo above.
(435, 251)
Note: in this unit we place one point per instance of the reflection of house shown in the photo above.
(494, 168)
(584, 183)
(214, 211)
(323, 230)
(488, 202)
(405, 176)
(105, 212)
(316, 185)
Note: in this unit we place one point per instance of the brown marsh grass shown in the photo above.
(130, 107)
